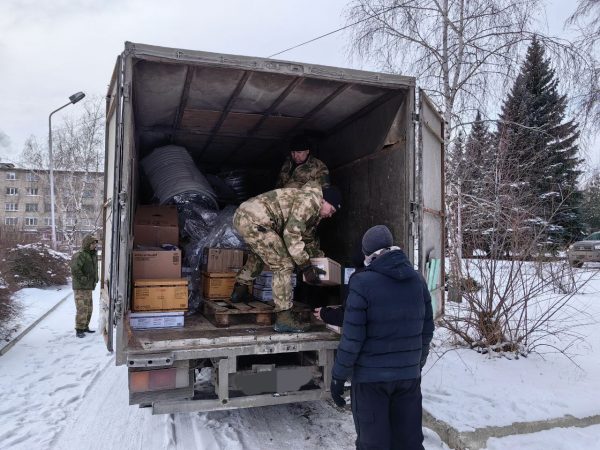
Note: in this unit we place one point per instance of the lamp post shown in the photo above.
(72, 100)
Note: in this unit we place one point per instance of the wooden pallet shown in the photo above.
(223, 313)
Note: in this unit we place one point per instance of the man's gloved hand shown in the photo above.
(337, 392)
(311, 273)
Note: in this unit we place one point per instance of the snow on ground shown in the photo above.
(60, 392)
(556, 439)
(33, 303)
(468, 390)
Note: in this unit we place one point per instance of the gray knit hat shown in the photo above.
(376, 238)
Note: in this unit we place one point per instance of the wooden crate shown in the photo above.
(223, 313)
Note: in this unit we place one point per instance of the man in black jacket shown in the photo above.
(388, 326)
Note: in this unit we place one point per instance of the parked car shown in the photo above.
(587, 250)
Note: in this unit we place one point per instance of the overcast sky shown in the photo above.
(51, 49)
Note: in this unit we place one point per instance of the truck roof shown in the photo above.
(240, 109)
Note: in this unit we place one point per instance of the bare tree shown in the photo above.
(78, 156)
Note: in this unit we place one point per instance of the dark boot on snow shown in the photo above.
(80, 333)
(240, 293)
(87, 330)
(289, 322)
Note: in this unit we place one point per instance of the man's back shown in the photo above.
(387, 324)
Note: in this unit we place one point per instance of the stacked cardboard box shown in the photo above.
(333, 271)
(219, 268)
(160, 294)
(263, 286)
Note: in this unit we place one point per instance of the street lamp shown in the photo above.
(72, 100)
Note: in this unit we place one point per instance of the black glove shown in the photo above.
(337, 392)
(311, 273)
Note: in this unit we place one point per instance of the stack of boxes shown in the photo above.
(219, 268)
(160, 294)
(263, 285)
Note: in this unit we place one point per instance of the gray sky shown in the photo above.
(51, 49)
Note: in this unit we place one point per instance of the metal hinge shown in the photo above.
(150, 360)
(415, 117)
(118, 307)
(126, 90)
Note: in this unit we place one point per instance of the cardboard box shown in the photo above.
(266, 279)
(155, 225)
(160, 295)
(217, 285)
(333, 271)
(265, 294)
(156, 264)
(145, 320)
(221, 260)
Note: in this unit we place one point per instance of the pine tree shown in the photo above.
(590, 207)
(542, 149)
(475, 190)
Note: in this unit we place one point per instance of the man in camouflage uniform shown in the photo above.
(84, 270)
(279, 227)
(300, 167)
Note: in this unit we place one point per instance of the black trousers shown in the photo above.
(388, 415)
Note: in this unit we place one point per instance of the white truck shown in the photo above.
(385, 154)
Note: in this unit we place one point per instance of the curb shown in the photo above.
(17, 338)
(477, 439)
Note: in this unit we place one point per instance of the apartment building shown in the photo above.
(25, 195)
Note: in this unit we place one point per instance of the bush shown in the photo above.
(35, 265)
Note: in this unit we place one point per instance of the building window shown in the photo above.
(70, 221)
(89, 208)
(47, 207)
(10, 220)
(31, 207)
(32, 177)
(88, 193)
(12, 191)
(11, 207)
(31, 221)
(48, 222)
(32, 191)
(11, 176)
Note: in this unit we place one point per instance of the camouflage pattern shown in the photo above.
(84, 307)
(279, 227)
(84, 265)
(292, 176)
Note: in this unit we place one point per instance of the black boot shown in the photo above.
(289, 322)
(79, 333)
(240, 293)
(87, 330)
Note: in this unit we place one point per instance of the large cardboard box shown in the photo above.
(156, 264)
(160, 295)
(333, 271)
(155, 225)
(218, 285)
(221, 260)
(145, 320)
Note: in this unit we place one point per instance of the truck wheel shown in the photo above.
(577, 264)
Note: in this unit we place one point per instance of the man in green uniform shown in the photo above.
(300, 167)
(279, 227)
(84, 270)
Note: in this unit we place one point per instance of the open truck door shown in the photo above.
(430, 166)
(114, 202)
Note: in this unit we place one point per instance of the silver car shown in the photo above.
(587, 250)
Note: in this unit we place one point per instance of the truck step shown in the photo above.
(223, 313)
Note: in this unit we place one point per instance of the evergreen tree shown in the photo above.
(590, 208)
(542, 148)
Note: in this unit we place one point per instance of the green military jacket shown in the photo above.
(293, 214)
(292, 176)
(84, 266)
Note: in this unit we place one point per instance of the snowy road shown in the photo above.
(59, 392)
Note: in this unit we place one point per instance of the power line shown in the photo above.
(334, 31)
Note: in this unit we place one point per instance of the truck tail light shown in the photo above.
(153, 380)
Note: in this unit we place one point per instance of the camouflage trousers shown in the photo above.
(266, 247)
(84, 307)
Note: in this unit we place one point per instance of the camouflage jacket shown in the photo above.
(84, 266)
(292, 176)
(293, 214)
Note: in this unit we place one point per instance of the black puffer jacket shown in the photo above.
(388, 323)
